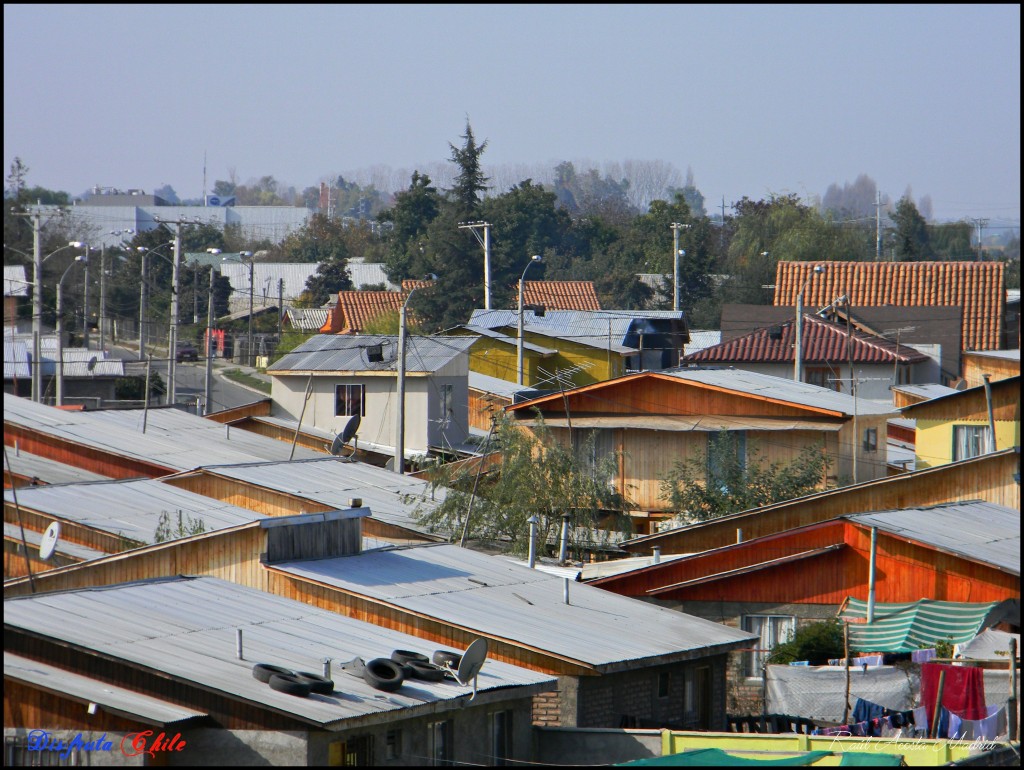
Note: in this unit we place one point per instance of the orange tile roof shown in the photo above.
(356, 308)
(561, 295)
(977, 287)
(408, 284)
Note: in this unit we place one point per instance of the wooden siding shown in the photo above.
(972, 405)
(70, 531)
(78, 456)
(256, 409)
(989, 478)
(975, 365)
(905, 571)
(314, 540)
(25, 705)
(266, 501)
(483, 407)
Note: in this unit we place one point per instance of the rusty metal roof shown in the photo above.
(977, 287)
(823, 342)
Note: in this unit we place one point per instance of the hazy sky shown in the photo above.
(754, 99)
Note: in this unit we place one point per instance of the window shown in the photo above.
(970, 441)
(446, 401)
(823, 377)
(17, 754)
(664, 683)
(501, 737)
(441, 749)
(871, 439)
(393, 744)
(773, 630)
(727, 456)
(348, 400)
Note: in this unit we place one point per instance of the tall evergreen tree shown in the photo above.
(471, 182)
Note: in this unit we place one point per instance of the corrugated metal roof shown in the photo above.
(925, 392)
(16, 361)
(15, 283)
(120, 432)
(265, 277)
(976, 530)
(561, 295)
(490, 595)
(369, 274)
(309, 318)
(509, 340)
(130, 508)
(498, 387)
(48, 471)
(185, 628)
(702, 338)
(13, 533)
(340, 354)
(978, 287)
(592, 328)
(782, 389)
(1007, 355)
(109, 697)
(823, 342)
(391, 497)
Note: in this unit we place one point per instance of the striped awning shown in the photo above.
(915, 625)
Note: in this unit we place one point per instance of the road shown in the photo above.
(191, 381)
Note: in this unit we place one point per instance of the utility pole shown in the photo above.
(172, 346)
(486, 243)
(209, 347)
(103, 291)
(280, 309)
(980, 223)
(878, 226)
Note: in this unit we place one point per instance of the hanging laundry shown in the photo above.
(922, 656)
(963, 691)
(865, 709)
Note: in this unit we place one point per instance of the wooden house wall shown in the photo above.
(976, 365)
(483, 407)
(230, 555)
(259, 408)
(266, 501)
(15, 565)
(37, 709)
(905, 572)
(972, 405)
(988, 478)
(70, 531)
(78, 456)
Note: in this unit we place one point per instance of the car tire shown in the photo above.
(318, 684)
(440, 657)
(401, 657)
(427, 672)
(290, 685)
(263, 671)
(384, 674)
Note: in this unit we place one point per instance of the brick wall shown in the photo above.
(546, 710)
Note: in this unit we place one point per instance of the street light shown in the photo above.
(522, 279)
(799, 328)
(676, 254)
(142, 293)
(84, 258)
(400, 391)
(248, 260)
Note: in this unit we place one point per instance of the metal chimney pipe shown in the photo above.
(657, 554)
(238, 643)
(563, 549)
(533, 540)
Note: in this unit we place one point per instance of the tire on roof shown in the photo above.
(290, 685)
(263, 671)
(384, 674)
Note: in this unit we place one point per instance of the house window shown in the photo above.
(352, 752)
(773, 630)
(393, 744)
(441, 749)
(823, 377)
(593, 448)
(664, 684)
(871, 439)
(348, 400)
(501, 737)
(727, 457)
(970, 441)
(446, 401)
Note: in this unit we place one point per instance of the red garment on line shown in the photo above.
(963, 692)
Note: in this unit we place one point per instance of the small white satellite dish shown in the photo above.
(50, 538)
(346, 435)
(472, 661)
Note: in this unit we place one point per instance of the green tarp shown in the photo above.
(720, 758)
(913, 625)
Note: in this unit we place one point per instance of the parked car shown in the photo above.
(186, 352)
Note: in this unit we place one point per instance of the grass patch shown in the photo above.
(244, 378)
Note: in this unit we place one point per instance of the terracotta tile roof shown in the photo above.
(409, 284)
(823, 341)
(977, 287)
(356, 308)
(561, 295)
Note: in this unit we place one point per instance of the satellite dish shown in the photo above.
(92, 363)
(336, 445)
(350, 428)
(472, 661)
(49, 544)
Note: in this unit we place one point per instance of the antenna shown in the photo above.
(49, 543)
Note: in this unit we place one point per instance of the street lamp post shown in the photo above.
(37, 306)
(142, 294)
(247, 260)
(798, 328)
(172, 347)
(676, 254)
(519, 346)
(400, 390)
(84, 258)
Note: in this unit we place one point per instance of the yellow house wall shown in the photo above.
(496, 359)
(934, 441)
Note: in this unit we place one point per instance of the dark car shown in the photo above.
(186, 352)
